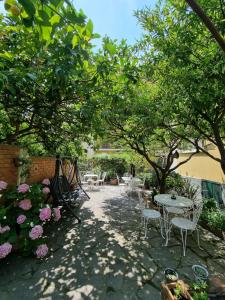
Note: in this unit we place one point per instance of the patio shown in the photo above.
(106, 256)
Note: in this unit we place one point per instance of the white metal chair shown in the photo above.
(148, 214)
(186, 224)
(102, 180)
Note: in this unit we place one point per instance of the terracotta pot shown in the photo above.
(114, 181)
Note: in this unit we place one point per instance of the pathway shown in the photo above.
(105, 257)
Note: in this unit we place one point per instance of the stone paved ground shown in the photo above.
(106, 257)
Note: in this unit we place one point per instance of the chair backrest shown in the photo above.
(104, 175)
(198, 206)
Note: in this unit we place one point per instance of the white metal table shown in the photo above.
(165, 200)
(179, 202)
(90, 176)
(126, 179)
(91, 180)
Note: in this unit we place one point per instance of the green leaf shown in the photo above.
(7, 55)
(12, 237)
(46, 32)
(28, 7)
(89, 27)
(111, 48)
(96, 36)
(75, 40)
(55, 19)
(55, 2)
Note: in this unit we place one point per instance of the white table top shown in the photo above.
(180, 201)
(126, 178)
(90, 175)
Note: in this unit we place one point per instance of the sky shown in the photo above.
(113, 17)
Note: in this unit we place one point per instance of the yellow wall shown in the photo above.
(202, 166)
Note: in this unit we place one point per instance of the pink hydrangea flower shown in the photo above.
(36, 232)
(46, 181)
(4, 229)
(5, 249)
(45, 214)
(57, 213)
(3, 185)
(25, 204)
(42, 250)
(21, 219)
(23, 188)
(46, 190)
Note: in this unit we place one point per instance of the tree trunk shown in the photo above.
(162, 184)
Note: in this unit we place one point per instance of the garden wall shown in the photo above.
(8, 170)
(40, 167)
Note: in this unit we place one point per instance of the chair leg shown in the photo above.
(184, 240)
(168, 228)
(161, 228)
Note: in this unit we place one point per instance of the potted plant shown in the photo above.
(200, 273)
(170, 275)
(175, 291)
(113, 178)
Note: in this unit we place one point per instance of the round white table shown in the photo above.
(165, 200)
(179, 202)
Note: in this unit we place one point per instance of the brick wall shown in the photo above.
(8, 171)
(41, 167)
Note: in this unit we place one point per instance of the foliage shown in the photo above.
(175, 182)
(212, 215)
(24, 210)
(181, 56)
(46, 76)
(25, 162)
(113, 165)
(199, 291)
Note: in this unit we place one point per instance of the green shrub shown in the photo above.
(175, 182)
(209, 204)
(111, 164)
(150, 179)
(212, 215)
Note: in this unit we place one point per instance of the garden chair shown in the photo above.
(185, 225)
(148, 214)
(102, 179)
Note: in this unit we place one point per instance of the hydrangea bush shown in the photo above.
(23, 215)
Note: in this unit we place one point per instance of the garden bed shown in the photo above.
(217, 232)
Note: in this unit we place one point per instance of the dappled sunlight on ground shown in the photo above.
(106, 256)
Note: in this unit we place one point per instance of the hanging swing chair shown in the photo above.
(62, 187)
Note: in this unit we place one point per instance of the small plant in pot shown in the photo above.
(200, 273)
(170, 275)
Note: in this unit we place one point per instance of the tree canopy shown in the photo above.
(46, 73)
